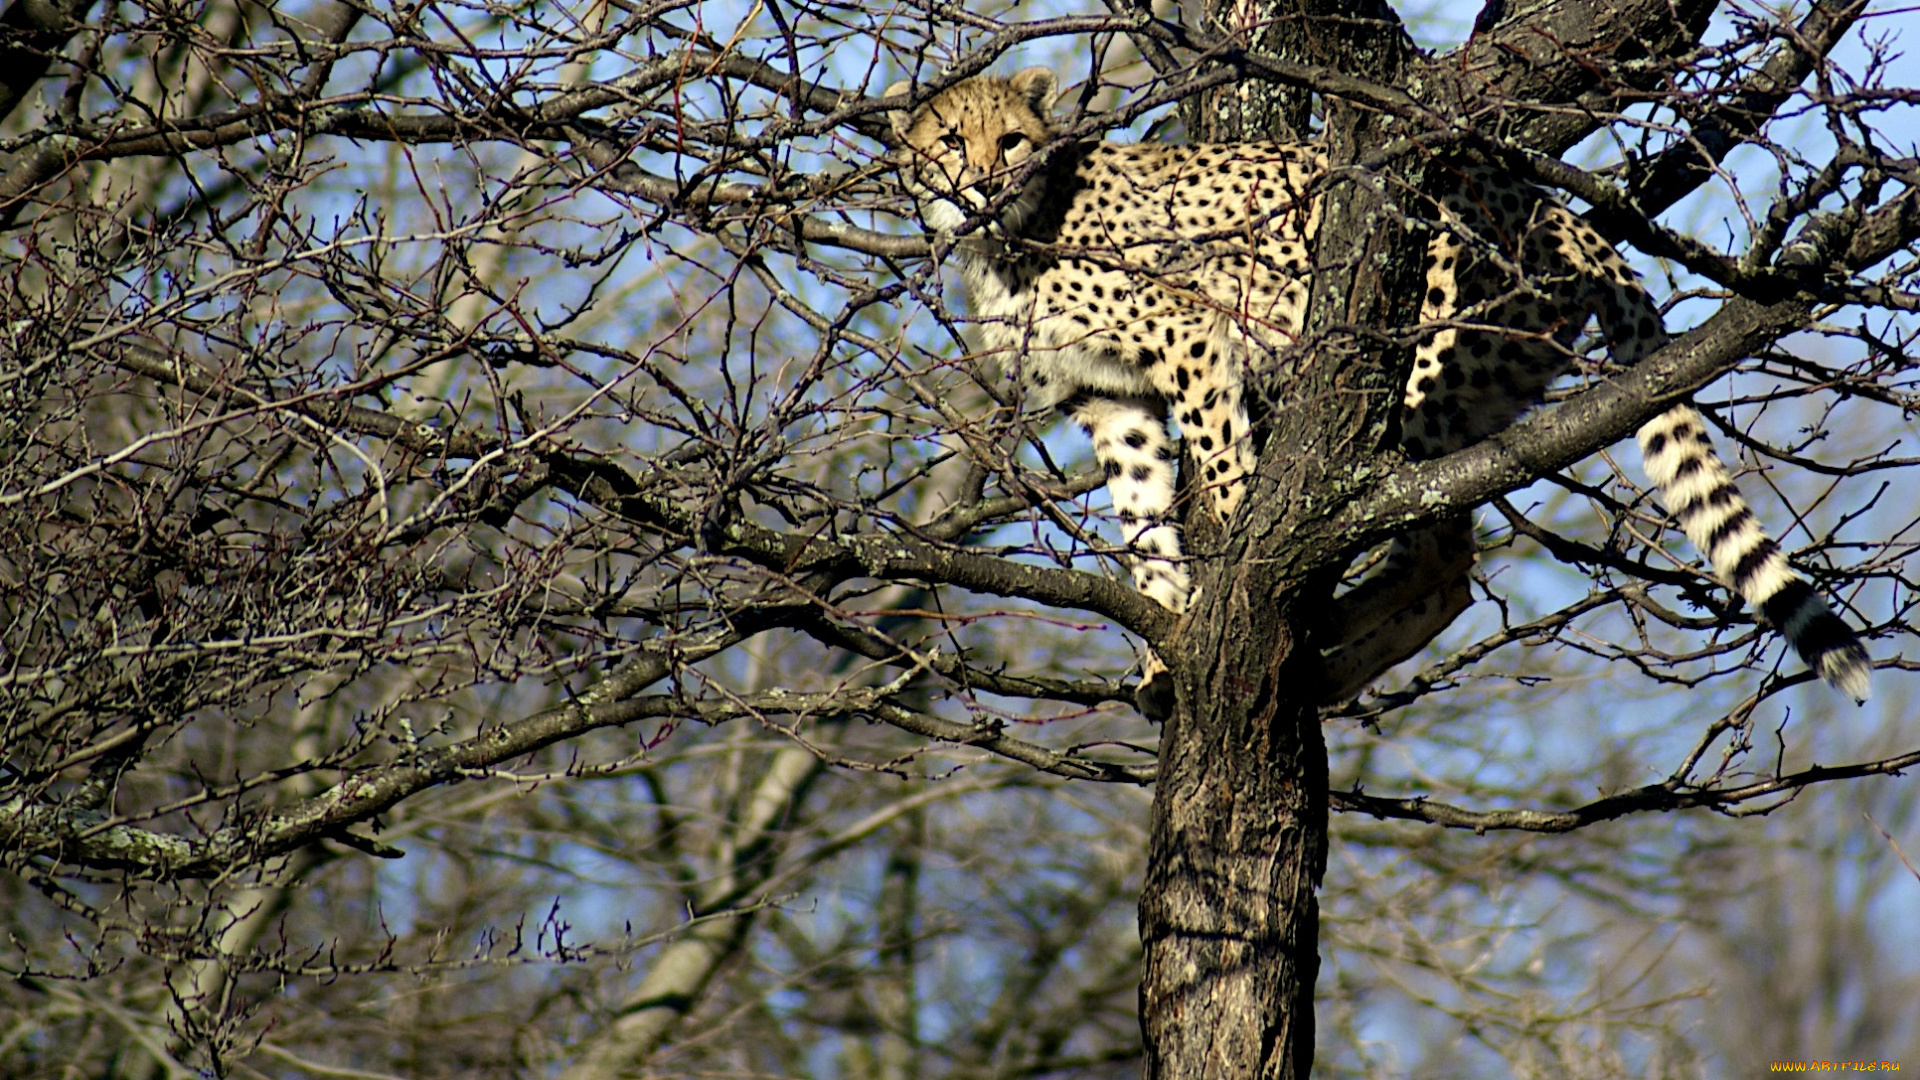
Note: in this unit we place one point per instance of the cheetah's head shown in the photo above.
(960, 148)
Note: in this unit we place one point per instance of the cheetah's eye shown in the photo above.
(1011, 141)
(952, 141)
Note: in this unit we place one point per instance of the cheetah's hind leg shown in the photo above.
(1416, 592)
(1154, 696)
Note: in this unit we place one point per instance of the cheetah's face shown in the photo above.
(961, 148)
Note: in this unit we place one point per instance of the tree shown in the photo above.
(508, 565)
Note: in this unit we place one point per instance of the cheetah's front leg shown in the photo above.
(1130, 441)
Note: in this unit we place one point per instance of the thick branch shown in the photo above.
(1547, 53)
(1666, 178)
(882, 556)
(1558, 437)
(53, 832)
(85, 837)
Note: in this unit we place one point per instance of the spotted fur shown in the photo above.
(1123, 282)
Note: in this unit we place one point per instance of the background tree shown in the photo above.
(507, 566)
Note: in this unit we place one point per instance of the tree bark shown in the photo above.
(1228, 914)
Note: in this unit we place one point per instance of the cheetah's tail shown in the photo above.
(1680, 459)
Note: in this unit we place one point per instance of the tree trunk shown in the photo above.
(1228, 913)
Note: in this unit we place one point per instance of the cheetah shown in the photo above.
(1121, 283)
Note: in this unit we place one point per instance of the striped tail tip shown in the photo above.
(1822, 639)
(1845, 669)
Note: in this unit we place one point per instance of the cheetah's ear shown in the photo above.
(901, 119)
(1038, 86)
